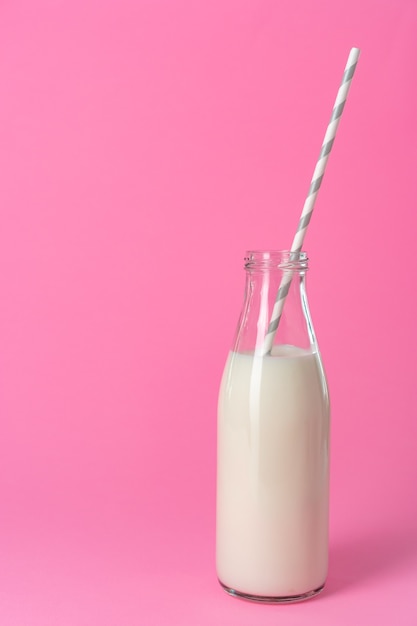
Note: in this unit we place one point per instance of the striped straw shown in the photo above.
(312, 193)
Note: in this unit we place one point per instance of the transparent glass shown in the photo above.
(273, 442)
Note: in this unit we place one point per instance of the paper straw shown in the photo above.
(312, 193)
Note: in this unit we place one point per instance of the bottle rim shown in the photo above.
(276, 259)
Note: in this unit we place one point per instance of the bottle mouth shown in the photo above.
(283, 260)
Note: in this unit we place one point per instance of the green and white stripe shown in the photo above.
(316, 181)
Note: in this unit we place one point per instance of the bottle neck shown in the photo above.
(272, 276)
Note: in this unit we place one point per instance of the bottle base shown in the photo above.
(271, 599)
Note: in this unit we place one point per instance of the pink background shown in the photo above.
(144, 146)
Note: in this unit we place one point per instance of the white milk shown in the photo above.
(272, 491)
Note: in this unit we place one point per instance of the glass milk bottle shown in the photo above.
(273, 443)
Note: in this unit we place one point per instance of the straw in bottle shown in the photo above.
(312, 193)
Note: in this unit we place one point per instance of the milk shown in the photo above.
(272, 491)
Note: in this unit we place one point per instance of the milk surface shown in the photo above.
(272, 481)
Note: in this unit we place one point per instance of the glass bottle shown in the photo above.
(273, 443)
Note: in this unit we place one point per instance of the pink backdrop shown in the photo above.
(144, 146)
